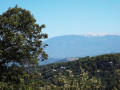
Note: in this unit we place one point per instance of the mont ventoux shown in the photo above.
(76, 46)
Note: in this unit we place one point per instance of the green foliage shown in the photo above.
(102, 66)
(117, 74)
(53, 77)
(62, 83)
(85, 82)
(20, 43)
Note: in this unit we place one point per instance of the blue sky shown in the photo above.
(64, 17)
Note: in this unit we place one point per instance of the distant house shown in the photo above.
(111, 62)
(98, 71)
(63, 67)
(54, 70)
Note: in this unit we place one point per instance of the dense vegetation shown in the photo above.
(100, 72)
(20, 43)
(103, 67)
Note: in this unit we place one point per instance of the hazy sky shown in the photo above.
(64, 17)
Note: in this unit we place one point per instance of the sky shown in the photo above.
(71, 17)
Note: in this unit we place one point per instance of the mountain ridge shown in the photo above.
(72, 46)
(89, 34)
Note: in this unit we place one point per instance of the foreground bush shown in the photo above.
(32, 82)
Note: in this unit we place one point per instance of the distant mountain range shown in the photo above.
(70, 46)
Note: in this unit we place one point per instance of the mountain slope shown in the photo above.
(79, 46)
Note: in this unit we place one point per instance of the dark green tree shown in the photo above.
(20, 40)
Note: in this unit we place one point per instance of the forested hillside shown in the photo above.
(89, 73)
(102, 66)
